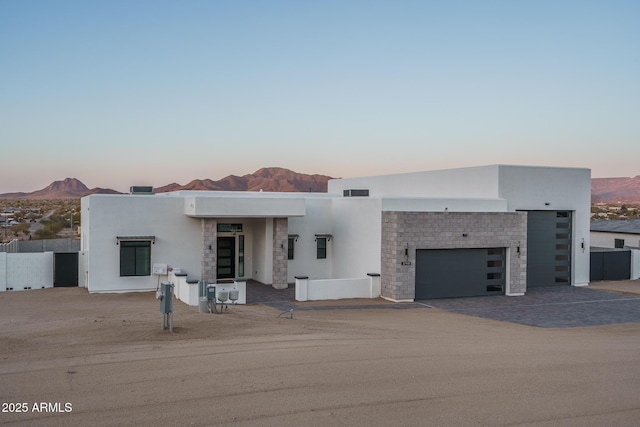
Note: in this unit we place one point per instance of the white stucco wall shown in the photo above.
(3, 271)
(177, 243)
(532, 188)
(317, 220)
(476, 182)
(635, 264)
(82, 269)
(603, 239)
(438, 204)
(262, 251)
(357, 235)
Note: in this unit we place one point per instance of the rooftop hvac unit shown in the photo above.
(141, 189)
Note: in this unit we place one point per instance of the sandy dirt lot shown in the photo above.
(103, 360)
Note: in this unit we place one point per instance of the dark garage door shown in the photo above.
(448, 273)
(548, 248)
(65, 269)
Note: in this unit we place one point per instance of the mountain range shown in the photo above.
(605, 190)
(265, 179)
(615, 190)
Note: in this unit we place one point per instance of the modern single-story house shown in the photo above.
(615, 233)
(488, 230)
(615, 249)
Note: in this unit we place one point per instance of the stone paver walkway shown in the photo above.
(550, 307)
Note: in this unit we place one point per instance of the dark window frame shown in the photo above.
(290, 247)
(135, 258)
(321, 247)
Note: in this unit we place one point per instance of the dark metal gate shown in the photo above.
(610, 264)
(65, 269)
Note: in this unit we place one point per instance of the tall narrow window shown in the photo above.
(135, 258)
(321, 247)
(290, 243)
(241, 256)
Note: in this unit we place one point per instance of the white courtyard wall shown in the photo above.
(3, 271)
(635, 264)
(29, 270)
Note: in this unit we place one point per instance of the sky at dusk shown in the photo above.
(121, 93)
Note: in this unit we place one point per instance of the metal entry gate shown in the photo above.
(549, 238)
(448, 273)
(65, 269)
(610, 264)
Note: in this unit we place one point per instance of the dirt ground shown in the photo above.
(70, 358)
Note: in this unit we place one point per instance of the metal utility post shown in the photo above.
(165, 295)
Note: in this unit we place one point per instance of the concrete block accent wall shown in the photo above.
(447, 230)
(280, 241)
(49, 245)
(209, 249)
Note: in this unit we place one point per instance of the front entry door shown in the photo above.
(226, 264)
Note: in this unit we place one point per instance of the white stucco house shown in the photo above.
(488, 230)
(615, 249)
(616, 233)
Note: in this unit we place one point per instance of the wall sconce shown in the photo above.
(547, 203)
(518, 249)
(406, 256)
(465, 234)
(582, 244)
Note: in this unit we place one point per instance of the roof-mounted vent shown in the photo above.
(141, 189)
(355, 193)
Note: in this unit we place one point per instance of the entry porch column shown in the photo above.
(280, 243)
(208, 250)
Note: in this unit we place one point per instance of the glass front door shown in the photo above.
(226, 266)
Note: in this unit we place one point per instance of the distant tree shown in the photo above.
(22, 227)
(45, 233)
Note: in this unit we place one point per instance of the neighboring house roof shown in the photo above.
(626, 226)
